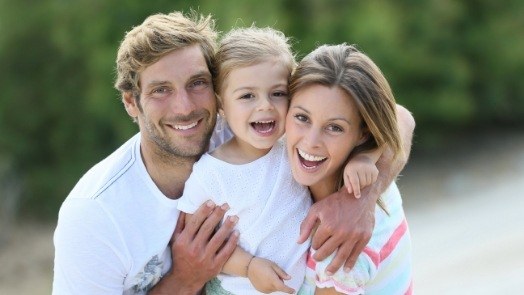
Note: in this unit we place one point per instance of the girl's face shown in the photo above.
(254, 102)
(323, 126)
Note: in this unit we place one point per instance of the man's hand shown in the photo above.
(198, 252)
(333, 214)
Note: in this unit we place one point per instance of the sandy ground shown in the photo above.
(464, 207)
(465, 210)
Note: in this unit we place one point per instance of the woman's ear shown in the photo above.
(130, 103)
(364, 136)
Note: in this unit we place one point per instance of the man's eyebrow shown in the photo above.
(200, 74)
(157, 82)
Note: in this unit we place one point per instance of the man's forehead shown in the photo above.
(178, 65)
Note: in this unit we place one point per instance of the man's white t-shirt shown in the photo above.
(114, 227)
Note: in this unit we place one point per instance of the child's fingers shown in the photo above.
(280, 286)
(347, 182)
(375, 176)
(281, 273)
(355, 183)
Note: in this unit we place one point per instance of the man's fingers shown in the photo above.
(219, 238)
(208, 226)
(200, 215)
(179, 226)
(306, 227)
(339, 259)
(325, 247)
(356, 251)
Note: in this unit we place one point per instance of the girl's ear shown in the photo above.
(130, 104)
(220, 106)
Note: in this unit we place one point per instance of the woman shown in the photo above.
(342, 107)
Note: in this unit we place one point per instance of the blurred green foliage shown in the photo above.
(456, 65)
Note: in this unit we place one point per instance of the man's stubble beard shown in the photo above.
(174, 150)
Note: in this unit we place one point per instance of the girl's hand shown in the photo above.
(360, 172)
(266, 276)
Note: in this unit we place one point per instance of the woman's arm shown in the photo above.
(346, 223)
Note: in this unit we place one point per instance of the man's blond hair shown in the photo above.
(157, 36)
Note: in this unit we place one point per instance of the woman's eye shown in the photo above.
(335, 128)
(301, 118)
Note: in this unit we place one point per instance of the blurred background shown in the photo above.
(456, 65)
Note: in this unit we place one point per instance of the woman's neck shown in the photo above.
(323, 188)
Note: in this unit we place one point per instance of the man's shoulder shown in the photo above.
(108, 171)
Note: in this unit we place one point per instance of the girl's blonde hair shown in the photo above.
(346, 67)
(244, 47)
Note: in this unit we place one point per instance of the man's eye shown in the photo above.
(199, 84)
(161, 90)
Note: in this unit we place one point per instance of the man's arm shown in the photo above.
(87, 251)
(346, 223)
(198, 252)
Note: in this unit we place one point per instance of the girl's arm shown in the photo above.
(361, 170)
(265, 275)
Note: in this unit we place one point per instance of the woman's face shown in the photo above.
(322, 128)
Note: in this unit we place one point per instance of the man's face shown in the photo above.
(177, 108)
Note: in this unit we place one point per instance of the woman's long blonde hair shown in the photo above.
(346, 67)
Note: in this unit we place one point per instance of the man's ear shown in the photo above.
(130, 104)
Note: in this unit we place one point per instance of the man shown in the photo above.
(118, 232)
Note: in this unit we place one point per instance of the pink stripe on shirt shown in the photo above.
(390, 245)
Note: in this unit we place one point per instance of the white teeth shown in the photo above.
(185, 127)
(265, 122)
(309, 157)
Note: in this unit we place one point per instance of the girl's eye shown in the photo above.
(301, 118)
(247, 96)
(280, 94)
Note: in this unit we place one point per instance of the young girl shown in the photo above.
(251, 171)
(342, 107)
